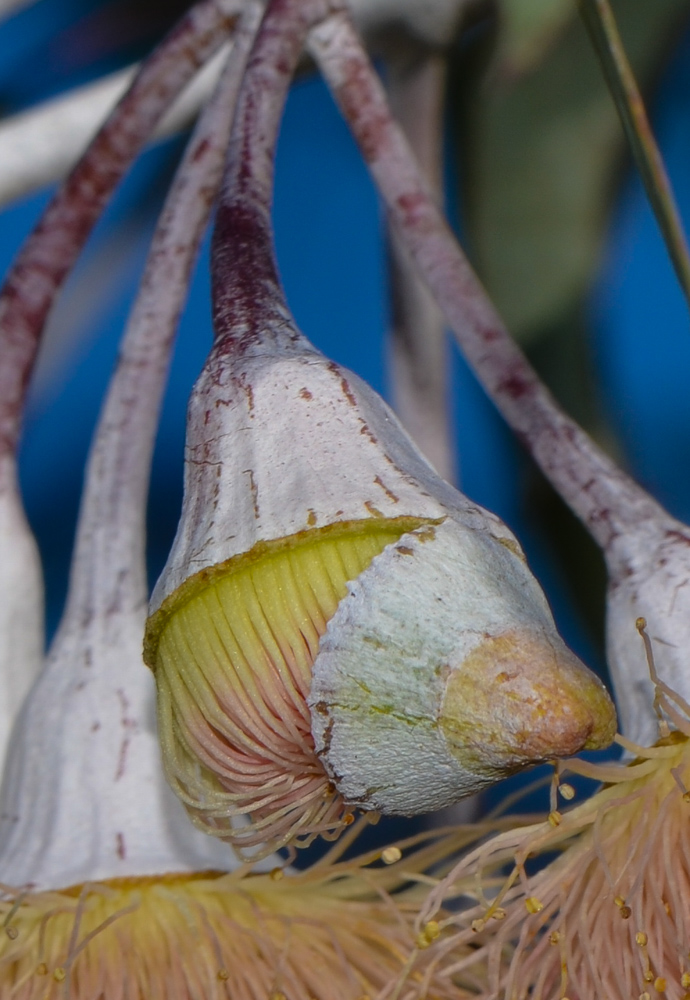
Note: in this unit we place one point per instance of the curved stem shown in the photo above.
(110, 538)
(246, 285)
(418, 342)
(605, 498)
(52, 248)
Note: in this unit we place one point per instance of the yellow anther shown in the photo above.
(685, 980)
(648, 976)
(432, 930)
(640, 623)
(554, 937)
(11, 932)
(373, 817)
(59, 974)
(645, 996)
(641, 938)
(533, 905)
(223, 974)
(42, 969)
(619, 901)
(428, 934)
(660, 984)
(686, 796)
(390, 855)
(478, 925)
(555, 818)
(499, 913)
(276, 874)
(567, 791)
(348, 819)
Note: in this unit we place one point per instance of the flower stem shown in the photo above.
(50, 251)
(245, 281)
(418, 343)
(602, 495)
(601, 24)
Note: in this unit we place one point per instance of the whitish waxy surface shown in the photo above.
(21, 604)
(442, 671)
(84, 797)
(282, 440)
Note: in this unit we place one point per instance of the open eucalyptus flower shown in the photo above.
(607, 916)
(335, 626)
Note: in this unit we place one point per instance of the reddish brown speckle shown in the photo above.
(254, 491)
(201, 150)
(389, 493)
(515, 385)
(374, 511)
(305, 394)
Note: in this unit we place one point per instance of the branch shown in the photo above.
(601, 25)
(41, 145)
(50, 251)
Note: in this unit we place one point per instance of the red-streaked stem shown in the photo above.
(50, 251)
(605, 498)
(109, 554)
(246, 288)
(418, 342)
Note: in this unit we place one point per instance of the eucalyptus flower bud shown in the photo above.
(336, 625)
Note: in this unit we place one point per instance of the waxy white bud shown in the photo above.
(432, 668)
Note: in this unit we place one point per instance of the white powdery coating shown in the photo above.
(282, 444)
(379, 679)
(21, 610)
(86, 747)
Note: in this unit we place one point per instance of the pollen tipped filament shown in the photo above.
(233, 670)
(609, 918)
(330, 933)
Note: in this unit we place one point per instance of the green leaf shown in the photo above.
(529, 28)
(544, 148)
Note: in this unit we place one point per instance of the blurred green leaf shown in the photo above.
(528, 29)
(543, 150)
